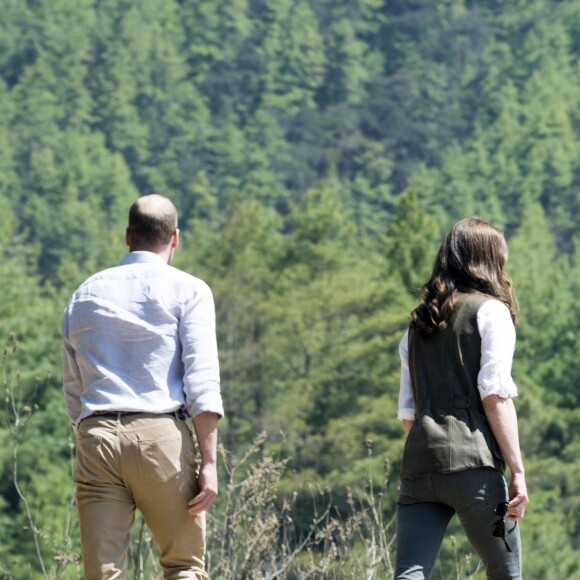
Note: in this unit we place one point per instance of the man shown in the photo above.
(140, 354)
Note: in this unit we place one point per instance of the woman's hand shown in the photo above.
(518, 497)
(501, 414)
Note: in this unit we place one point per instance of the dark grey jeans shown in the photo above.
(427, 503)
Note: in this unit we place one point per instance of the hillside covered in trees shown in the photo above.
(317, 151)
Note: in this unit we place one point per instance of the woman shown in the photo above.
(456, 405)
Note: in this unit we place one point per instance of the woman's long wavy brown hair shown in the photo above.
(470, 261)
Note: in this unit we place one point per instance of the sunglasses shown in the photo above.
(499, 528)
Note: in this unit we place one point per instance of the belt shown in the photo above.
(115, 414)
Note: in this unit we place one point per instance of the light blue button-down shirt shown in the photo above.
(140, 337)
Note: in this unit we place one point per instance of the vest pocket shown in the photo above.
(407, 491)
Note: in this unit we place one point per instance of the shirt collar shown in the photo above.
(141, 258)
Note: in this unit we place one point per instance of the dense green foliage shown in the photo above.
(316, 150)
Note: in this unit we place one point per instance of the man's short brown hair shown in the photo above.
(152, 221)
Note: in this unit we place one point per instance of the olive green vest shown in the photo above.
(450, 431)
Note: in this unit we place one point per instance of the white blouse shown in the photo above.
(498, 342)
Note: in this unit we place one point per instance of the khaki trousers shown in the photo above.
(142, 461)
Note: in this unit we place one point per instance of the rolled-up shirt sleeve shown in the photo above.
(197, 333)
(406, 407)
(498, 342)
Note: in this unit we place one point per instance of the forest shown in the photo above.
(317, 151)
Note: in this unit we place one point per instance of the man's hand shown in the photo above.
(208, 489)
(205, 425)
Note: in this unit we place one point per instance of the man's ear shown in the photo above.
(175, 239)
(127, 237)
